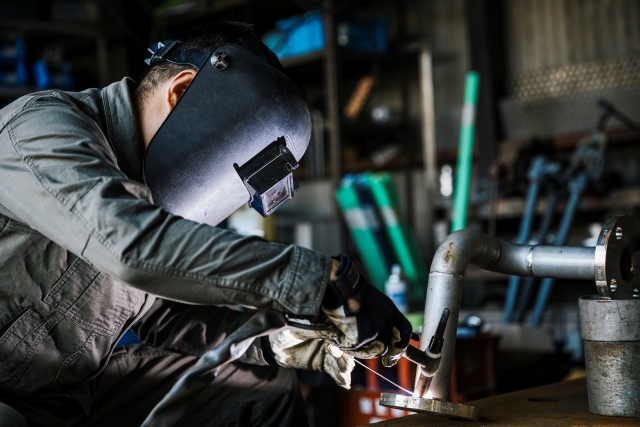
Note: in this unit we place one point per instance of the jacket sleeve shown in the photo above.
(193, 330)
(59, 176)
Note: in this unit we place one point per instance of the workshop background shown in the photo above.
(395, 88)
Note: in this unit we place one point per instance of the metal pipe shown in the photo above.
(446, 278)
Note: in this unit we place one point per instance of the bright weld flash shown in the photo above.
(429, 395)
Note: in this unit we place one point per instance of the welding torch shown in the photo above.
(429, 360)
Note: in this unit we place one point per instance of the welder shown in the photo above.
(108, 201)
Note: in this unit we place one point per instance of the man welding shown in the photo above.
(106, 201)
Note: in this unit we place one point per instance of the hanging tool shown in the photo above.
(359, 97)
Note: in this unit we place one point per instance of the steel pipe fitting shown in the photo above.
(611, 264)
(446, 278)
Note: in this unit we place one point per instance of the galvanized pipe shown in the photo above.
(610, 333)
(446, 278)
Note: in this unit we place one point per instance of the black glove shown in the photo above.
(368, 322)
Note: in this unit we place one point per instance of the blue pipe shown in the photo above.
(577, 185)
(525, 295)
(528, 285)
(523, 234)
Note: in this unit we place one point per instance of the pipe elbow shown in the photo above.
(464, 247)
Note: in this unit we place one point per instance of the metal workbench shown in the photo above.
(559, 404)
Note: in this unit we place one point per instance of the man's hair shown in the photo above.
(204, 37)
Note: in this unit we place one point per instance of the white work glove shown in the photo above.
(303, 349)
(368, 323)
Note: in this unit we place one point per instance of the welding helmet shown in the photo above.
(234, 136)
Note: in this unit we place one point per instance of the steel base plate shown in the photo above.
(430, 406)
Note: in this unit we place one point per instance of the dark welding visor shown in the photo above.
(267, 177)
(233, 137)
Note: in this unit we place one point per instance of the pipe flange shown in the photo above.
(430, 406)
(615, 259)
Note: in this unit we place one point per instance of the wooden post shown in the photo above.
(428, 123)
(332, 122)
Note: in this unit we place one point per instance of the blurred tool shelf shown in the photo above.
(364, 127)
(508, 207)
(75, 29)
(510, 148)
(7, 92)
(347, 57)
(400, 163)
(201, 11)
(616, 135)
(617, 199)
(309, 58)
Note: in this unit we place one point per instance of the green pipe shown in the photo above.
(403, 240)
(362, 224)
(465, 153)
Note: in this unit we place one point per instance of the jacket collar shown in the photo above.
(122, 127)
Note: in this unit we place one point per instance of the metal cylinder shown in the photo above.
(610, 331)
(558, 262)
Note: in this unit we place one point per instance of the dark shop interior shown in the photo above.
(319, 213)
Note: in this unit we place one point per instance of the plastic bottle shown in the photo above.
(396, 289)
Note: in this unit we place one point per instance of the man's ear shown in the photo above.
(178, 85)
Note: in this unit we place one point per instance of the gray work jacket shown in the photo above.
(84, 252)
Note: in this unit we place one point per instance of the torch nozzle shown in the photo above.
(437, 341)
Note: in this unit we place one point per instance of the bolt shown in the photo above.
(219, 60)
(636, 293)
(613, 285)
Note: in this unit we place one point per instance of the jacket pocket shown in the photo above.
(93, 300)
(68, 372)
(18, 344)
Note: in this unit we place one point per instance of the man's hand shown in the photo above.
(302, 349)
(368, 322)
